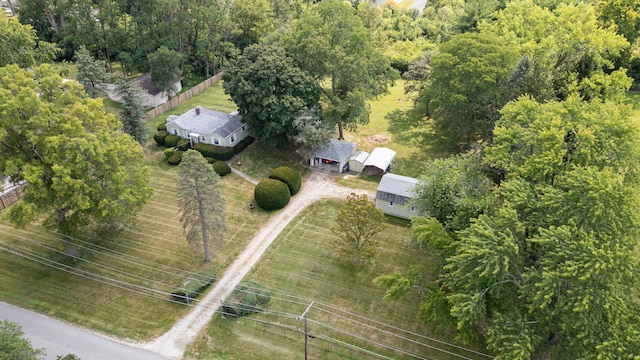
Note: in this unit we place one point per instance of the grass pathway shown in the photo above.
(173, 343)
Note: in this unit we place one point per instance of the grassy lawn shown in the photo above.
(300, 267)
(396, 123)
(151, 254)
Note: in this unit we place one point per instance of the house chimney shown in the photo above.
(197, 110)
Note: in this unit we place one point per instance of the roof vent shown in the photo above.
(197, 110)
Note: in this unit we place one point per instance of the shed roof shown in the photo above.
(336, 150)
(397, 185)
(380, 157)
(208, 121)
(360, 156)
(149, 86)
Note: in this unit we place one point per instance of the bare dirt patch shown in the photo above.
(379, 139)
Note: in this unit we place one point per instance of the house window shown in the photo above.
(390, 203)
(413, 209)
(233, 138)
(202, 138)
(175, 131)
(216, 141)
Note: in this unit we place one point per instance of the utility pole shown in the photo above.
(304, 317)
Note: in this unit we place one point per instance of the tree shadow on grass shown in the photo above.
(413, 128)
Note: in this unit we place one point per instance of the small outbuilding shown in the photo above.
(395, 195)
(335, 154)
(356, 162)
(379, 161)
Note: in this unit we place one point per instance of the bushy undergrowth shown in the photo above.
(289, 176)
(271, 194)
(193, 286)
(247, 298)
(160, 136)
(221, 168)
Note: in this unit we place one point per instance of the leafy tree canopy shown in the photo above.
(332, 44)
(18, 45)
(269, 91)
(468, 85)
(164, 68)
(13, 344)
(79, 168)
(551, 268)
(91, 72)
(568, 47)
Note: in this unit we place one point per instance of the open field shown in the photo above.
(121, 285)
(300, 267)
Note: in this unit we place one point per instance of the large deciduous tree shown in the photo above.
(269, 90)
(331, 43)
(550, 271)
(79, 168)
(91, 72)
(357, 222)
(164, 68)
(570, 51)
(18, 45)
(468, 85)
(132, 111)
(201, 205)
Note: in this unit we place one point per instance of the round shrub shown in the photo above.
(183, 144)
(221, 168)
(271, 194)
(210, 160)
(160, 136)
(162, 126)
(168, 152)
(289, 176)
(175, 158)
(171, 140)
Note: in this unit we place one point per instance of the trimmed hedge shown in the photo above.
(162, 126)
(289, 176)
(171, 140)
(242, 144)
(217, 152)
(193, 286)
(271, 194)
(176, 158)
(246, 299)
(210, 160)
(168, 152)
(160, 136)
(183, 144)
(221, 168)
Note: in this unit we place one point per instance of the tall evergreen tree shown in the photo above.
(132, 111)
(201, 205)
(91, 72)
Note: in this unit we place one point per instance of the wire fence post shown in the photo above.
(304, 317)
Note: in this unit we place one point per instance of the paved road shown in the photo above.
(59, 338)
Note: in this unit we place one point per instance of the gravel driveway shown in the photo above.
(318, 186)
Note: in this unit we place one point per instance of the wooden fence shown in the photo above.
(11, 195)
(158, 110)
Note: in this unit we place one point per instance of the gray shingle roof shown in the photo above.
(336, 150)
(359, 156)
(397, 185)
(209, 121)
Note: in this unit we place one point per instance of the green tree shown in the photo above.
(331, 43)
(568, 47)
(625, 14)
(269, 90)
(79, 168)
(468, 85)
(13, 344)
(550, 272)
(313, 132)
(201, 205)
(18, 45)
(252, 19)
(91, 72)
(454, 191)
(132, 111)
(164, 68)
(357, 222)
